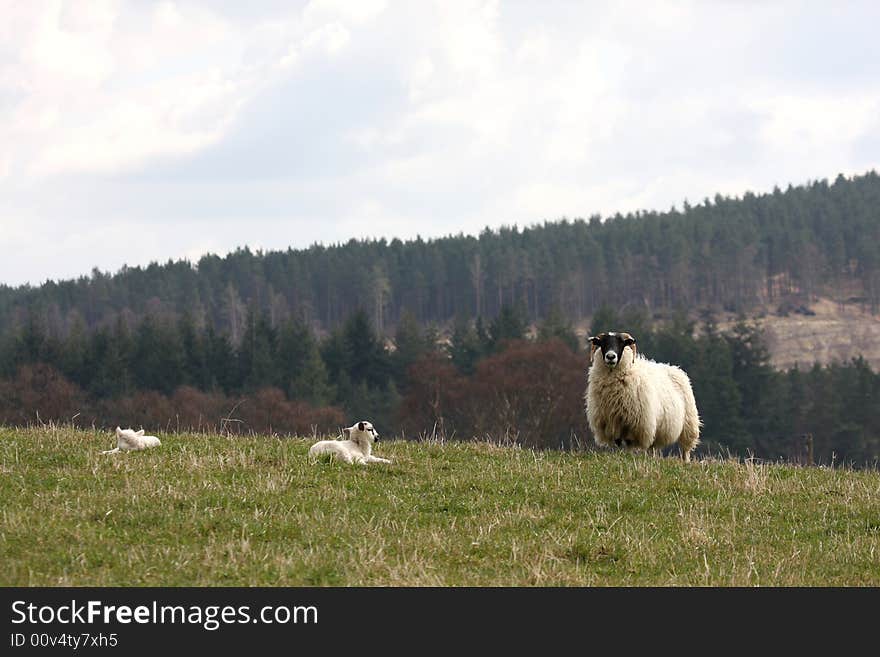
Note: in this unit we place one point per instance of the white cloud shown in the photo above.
(817, 125)
(71, 47)
(331, 37)
(81, 105)
(319, 12)
(285, 125)
(103, 87)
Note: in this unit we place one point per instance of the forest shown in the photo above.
(466, 337)
(490, 380)
(729, 254)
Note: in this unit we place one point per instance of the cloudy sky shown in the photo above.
(133, 131)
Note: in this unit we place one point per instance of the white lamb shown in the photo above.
(635, 402)
(128, 440)
(357, 449)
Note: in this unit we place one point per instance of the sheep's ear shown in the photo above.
(118, 431)
(593, 340)
(360, 426)
(346, 431)
(141, 432)
(630, 341)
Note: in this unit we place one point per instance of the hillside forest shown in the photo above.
(468, 336)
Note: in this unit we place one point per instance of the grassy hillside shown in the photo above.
(208, 510)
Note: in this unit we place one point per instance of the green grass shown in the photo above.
(208, 510)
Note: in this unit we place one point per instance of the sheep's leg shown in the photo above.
(605, 432)
(690, 435)
(687, 442)
(627, 440)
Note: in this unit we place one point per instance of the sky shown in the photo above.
(135, 131)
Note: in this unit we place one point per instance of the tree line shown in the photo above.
(501, 378)
(722, 254)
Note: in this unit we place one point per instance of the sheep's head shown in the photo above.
(362, 433)
(611, 347)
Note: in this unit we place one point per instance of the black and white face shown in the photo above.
(363, 427)
(611, 346)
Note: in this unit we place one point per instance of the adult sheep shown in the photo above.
(636, 402)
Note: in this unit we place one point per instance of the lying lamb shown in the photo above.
(357, 449)
(635, 402)
(128, 440)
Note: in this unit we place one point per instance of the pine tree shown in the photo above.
(336, 357)
(556, 326)
(718, 398)
(311, 382)
(367, 359)
(304, 375)
(157, 358)
(410, 345)
(510, 324)
(465, 347)
(257, 353)
(74, 353)
(195, 366)
(221, 362)
(109, 357)
(605, 319)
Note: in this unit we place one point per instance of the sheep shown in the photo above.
(358, 449)
(129, 440)
(635, 402)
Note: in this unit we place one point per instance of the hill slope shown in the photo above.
(833, 333)
(208, 510)
(729, 253)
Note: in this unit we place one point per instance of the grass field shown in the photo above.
(209, 510)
